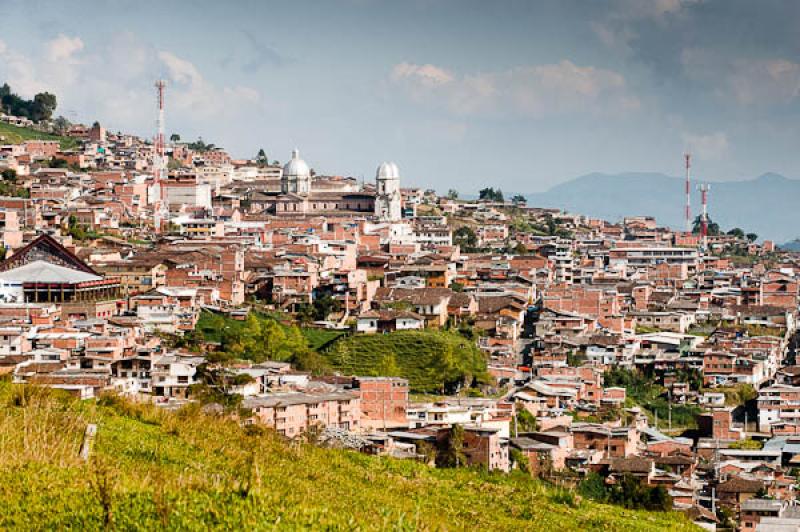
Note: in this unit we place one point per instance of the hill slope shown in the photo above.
(154, 470)
(428, 359)
(765, 205)
(17, 135)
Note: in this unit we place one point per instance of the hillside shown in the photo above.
(764, 205)
(155, 470)
(428, 359)
(15, 135)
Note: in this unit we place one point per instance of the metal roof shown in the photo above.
(40, 271)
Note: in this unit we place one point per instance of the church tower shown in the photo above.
(296, 178)
(387, 193)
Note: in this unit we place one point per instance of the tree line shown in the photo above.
(41, 107)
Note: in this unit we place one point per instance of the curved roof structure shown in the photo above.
(296, 167)
(40, 271)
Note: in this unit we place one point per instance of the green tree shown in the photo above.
(490, 194)
(453, 453)
(10, 175)
(752, 237)
(174, 138)
(262, 158)
(526, 422)
(43, 106)
(465, 238)
(324, 306)
(519, 199)
(61, 125)
(737, 232)
(452, 194)
(697, 225)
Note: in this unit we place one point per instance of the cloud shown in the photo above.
(744, 81)
(63, 48)
(533, 91)
(424, 75)
(765, 81)
(92, 83)
(712, 146)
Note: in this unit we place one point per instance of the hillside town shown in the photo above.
(615, 356)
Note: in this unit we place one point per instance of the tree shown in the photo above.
(262, 158)
(519, 199)
(526, 422)
(453, 453)
(752, 237)
(10, 175)
(38, 109)
(174, 138)
(737, 232)
(697, 225)
(465, 238)
(452, 194)
(43, 106)
(61, 125)
(490, 194)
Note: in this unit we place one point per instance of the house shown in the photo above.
(387, 320)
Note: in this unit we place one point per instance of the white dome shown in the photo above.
(297, 167)
(387, 171)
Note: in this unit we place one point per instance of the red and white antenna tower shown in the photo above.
(160, 166)
(704, 188)
(159, 140)
(688, 210)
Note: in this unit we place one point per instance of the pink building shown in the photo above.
(291, 414)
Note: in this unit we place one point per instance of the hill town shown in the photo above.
(625, 362)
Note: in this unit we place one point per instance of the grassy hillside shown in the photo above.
(428, 359)
(211, 325)
(186, 471)
(16, 135)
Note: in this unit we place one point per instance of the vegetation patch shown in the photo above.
(154, 470)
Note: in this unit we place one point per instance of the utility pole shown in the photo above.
(688, 208)
(669, 406)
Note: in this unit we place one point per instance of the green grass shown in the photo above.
(320, 338)
(211, 325)
(17, 135)
(428, 359)
(152, 470)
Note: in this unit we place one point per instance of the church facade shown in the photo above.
(298, 195)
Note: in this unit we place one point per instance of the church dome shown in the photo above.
(296, 167)
(387, 171)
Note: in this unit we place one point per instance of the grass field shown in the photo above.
(153, 470)
(16, 135)
(211, 326)
(428, 359)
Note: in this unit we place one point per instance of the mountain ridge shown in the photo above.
(763, 205)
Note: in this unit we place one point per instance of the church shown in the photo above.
(298, 196)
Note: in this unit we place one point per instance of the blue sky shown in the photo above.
(518, 94)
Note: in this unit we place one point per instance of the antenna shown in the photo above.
(160, 209)
(704, 188)
(688, 212)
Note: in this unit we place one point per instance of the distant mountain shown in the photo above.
(793, 246)
(767, 205)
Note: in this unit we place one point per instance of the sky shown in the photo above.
(521, 95)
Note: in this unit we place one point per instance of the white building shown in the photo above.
(387, 194)
(296, 178)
